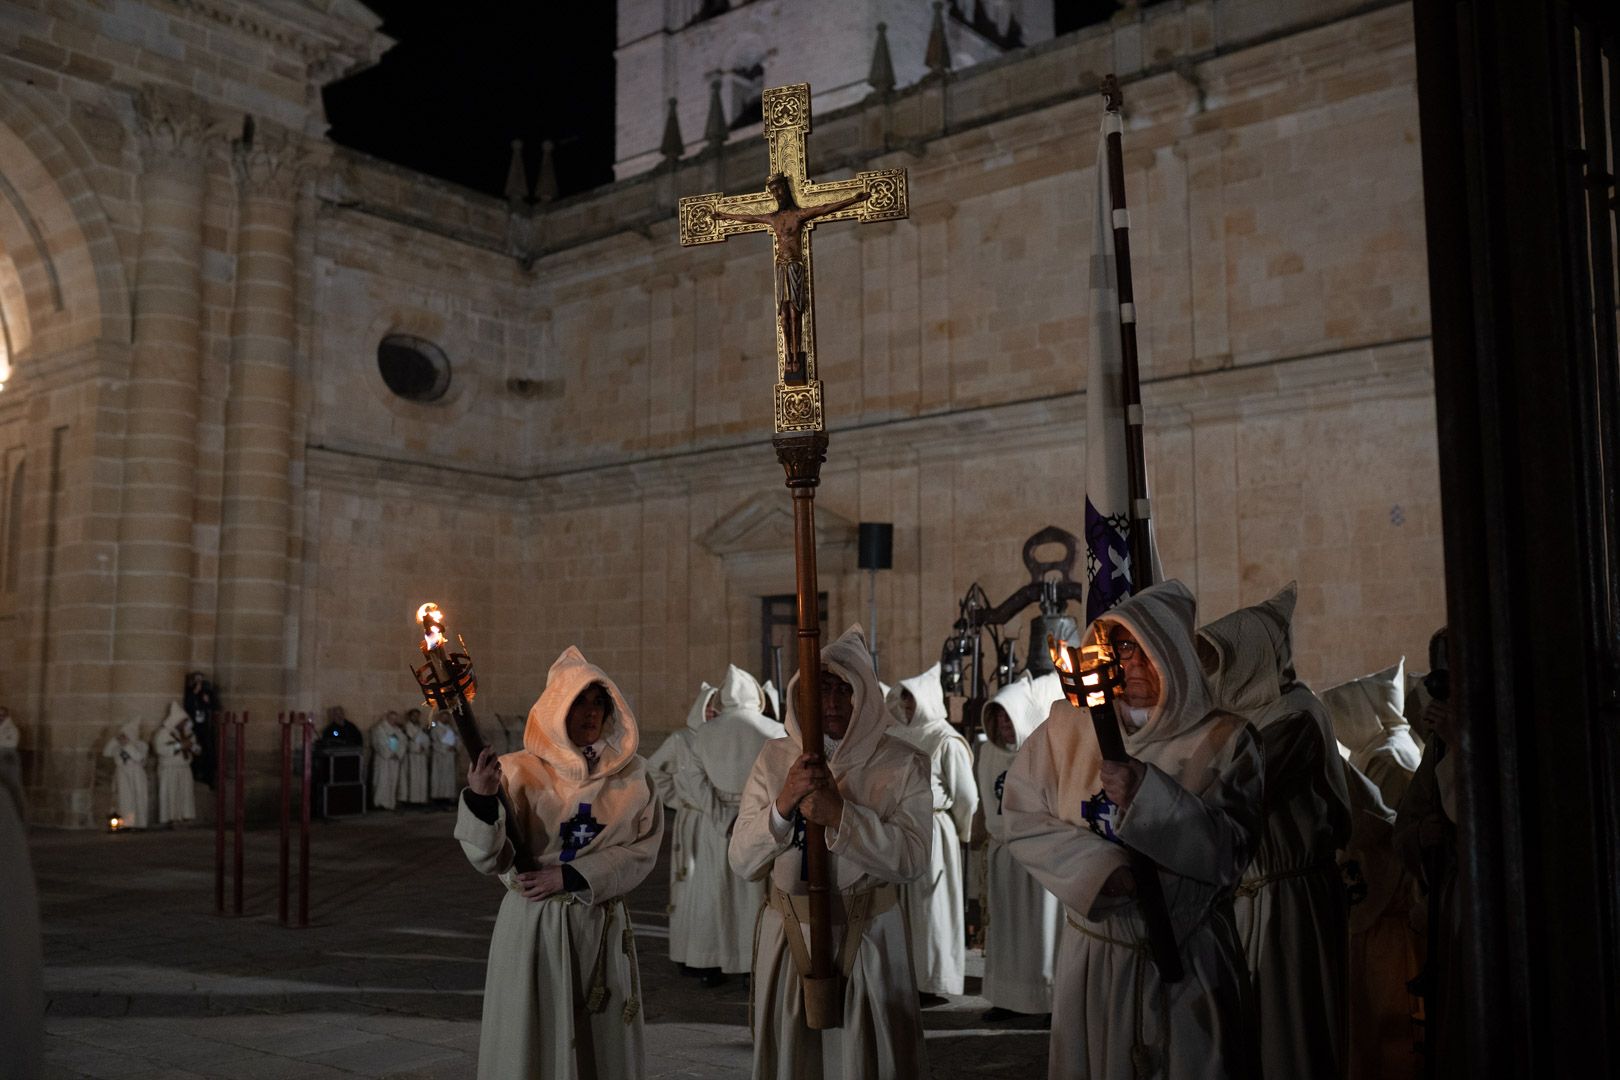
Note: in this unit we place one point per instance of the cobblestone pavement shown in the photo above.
(143, 980)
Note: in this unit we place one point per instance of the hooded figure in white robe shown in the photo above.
(443, 783)
(413, 782)
(131, 795)
(387, 741)
(1022, 919)
(663, 767)
(562, 993)
(1196, 811)
(175, 748)
(712, 779)
(1369, 723)
(883, 840)
(934, 901)
(1291, 908)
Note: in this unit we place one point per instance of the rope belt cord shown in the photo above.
(633, 1005)
(1141, 954)
(596, 998)
(1252, 886)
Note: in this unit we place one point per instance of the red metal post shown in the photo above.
(241, 790)
(286, 798)
(220, 728)
(303, 825)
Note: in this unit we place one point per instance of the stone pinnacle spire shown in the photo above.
(517, 178)
(673, 145)
(715, 130)
(882, 74)
(546, 188)
(938, 57)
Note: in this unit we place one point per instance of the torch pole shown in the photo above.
(286, 799)
(241, 785)
(219, 809)
(801, 456)
(1141, 514)
(303, 821)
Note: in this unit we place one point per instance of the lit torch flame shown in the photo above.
(1095, 658)
(431, 620)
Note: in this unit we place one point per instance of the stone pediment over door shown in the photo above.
(754, 540)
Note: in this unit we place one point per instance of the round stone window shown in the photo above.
(413, 368)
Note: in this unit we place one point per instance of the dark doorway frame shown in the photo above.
(1518, 128)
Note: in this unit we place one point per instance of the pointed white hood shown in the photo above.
(727, 745)
(173, 718)
(1249, 658)
(1162, 618)
(546, 734)
(1363, 709)
(929, 723)
(849, 658)
(696, 716)
(1027, 702)
(774, 696)
(1248, 655)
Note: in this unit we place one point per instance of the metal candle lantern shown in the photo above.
(448, 682)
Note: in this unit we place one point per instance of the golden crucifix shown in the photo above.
(788, 208)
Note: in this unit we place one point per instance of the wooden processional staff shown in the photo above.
(788, 208)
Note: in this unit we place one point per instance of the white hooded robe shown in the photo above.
(934, 902)
(413, 786)
(884, 840)
(175, 746)
(712, 779)
(1368, 721)
(1022, 919)
(387, 751)
(663, 767)
(442, 772)
(1291, 909)
(562, 997)
(132, 798)
(1197, 814)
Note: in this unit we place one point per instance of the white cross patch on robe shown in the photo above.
(1102, 814)
(578, 831)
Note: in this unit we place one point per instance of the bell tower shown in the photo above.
(717, 56)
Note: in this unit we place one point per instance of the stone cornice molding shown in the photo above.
(269, 162)
(1385, 371)
(176, 127)
(314, 30)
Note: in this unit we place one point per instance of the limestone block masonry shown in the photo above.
(208, 471)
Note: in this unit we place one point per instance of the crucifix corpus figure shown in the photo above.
(787, 224)
(789, 209)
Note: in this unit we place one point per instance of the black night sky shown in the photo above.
(465, 80)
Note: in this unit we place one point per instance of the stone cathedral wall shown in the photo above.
(599, 472)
